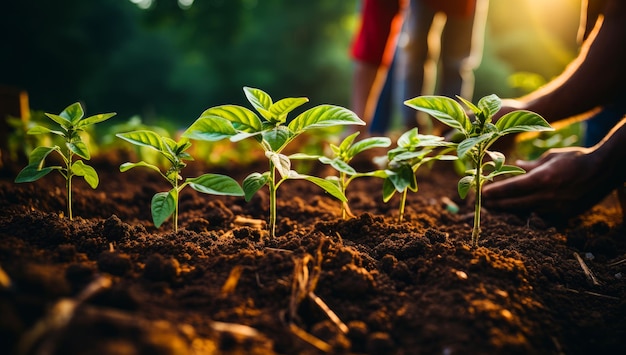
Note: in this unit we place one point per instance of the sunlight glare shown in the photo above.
(143, 4)
(185, 4)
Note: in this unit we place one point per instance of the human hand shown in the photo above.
(562, 183)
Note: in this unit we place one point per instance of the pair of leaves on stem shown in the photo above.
(164, 204)
(71, 123)
(480, 133)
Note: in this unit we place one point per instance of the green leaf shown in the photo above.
(281, 163)
(470, 105)
(242, 119)
(94, 119)
(403, 177)
(497, 158)
(260, 100)
(408, 138)
(283, 107)
(162, 206)
(368, 143)
(506, 169)
(32, 173)
(62, 121)
(324, 116)
(389, 189)
(278, 137)
(346, 143)
(40, 130)
(79, 148)
(468, 143)
(522, 121)
(328, 186)
(87, 172)
(342, 166)
(489, 105)
(73, 113)
(253, 183)
(127, 166)
(216, 184)
(181, 146)
(464, 185)
(304, 156)
(144, 138)
(444, 109)
(210, 128)
(39, 154)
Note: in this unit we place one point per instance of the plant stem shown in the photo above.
(68, 184)
(176, 206)
(272, 188)
(477, 202)
(402, 205)
(342, 179)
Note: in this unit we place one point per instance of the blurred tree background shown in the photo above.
(168, 60)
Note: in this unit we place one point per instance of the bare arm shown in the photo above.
(564, 182)
(593, 77)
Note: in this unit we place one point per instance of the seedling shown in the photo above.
(413, 151)
(71, 124)
(340, 161)
(164, 204)
(273, 133)
(479, 136)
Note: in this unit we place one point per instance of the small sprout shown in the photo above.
(164, 204)
(412, 152)
(479, 135)
(273, 133)
(340, 161)
(71, 124)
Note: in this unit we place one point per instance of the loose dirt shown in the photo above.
(108, 282)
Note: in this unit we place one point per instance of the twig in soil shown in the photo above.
(340, 238)
(588, 273)
(592, 294)
(313, 340)
(615, 263)
(303, 286)
(233, 279)
(249, 222)
(46, 331)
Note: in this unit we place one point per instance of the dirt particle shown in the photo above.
(115, 230)
(114, 263)
(159, 268)
(379, 343)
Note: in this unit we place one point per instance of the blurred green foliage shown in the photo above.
(168, 64)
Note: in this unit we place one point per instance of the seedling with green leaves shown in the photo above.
(273, 133)
(413, 151)
(71, 123)
(164, 204)
(479, 135)
(340, 159)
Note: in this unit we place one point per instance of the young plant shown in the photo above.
(340, 161)
(412, 152)
(479, 135)
(71, 123)
(273, 133)
(164, 204)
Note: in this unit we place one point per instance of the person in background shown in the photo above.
(460, 40)
(370, 51)
(568, 181)
(459, 27)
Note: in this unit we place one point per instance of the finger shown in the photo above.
(527, 165)
(520, 185)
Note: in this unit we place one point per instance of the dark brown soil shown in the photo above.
(108, 282)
